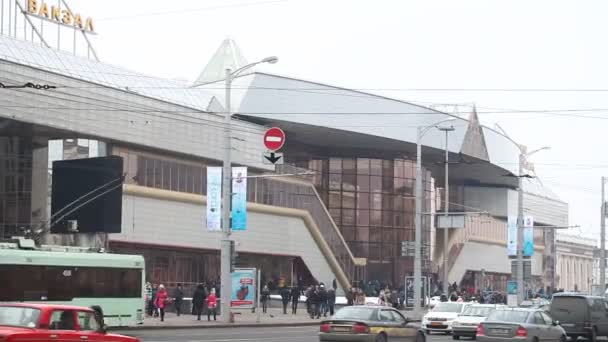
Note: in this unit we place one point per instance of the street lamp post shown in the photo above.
(421, 131)
(520, 220)
(225, 254)
(447, 130)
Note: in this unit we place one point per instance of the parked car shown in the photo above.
(523, 324)
(441, 317)
(466, 324)
(48, 322)
(363, 323)
(580, 315)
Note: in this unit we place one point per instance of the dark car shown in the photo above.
(580, 315)
(368, 324)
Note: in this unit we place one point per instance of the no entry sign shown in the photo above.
(274, 138)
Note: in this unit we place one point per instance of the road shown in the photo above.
(287, 334)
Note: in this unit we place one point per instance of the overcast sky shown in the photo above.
(401, 44)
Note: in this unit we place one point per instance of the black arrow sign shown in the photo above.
(273, 158)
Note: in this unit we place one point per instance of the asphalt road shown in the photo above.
(278, 334)
(271, 334)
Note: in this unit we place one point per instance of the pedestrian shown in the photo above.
(331, 300)
(198, 300)
(285, 296)
(153, 301)
(322, 301)
(308, 293)
(381, 298)
(161, 301)
(149, 303)
(212, 305)
(178, 294)
(314, 303)
(395, 299)
(350, 297)
(295, 297)
(264, 298)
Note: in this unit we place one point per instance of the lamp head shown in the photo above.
(270, 60)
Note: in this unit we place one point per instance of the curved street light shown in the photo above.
(226, 190)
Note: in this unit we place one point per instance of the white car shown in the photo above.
(441, 317)
(434, 301)
(466, 324)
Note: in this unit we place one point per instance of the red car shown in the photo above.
(48, 322)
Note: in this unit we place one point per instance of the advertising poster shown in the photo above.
(239, 198)
(409, 291)
(243, 288)
(214, 199)
(528, 236)
(512, 236)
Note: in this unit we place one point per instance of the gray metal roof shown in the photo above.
(64, 63)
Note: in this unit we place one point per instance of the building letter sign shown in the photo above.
(59, 16)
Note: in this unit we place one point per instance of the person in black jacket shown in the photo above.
(313, 300)
(331, 300)
(322, 301)
(295, 297)
(264, 298)
(198, 300)
(285, 294)
(178, 294)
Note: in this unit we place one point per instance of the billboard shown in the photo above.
(214, 199)
(512, 236)
(243, 288)
(409, 291)
(528, 236)
(88, 191)
(239, 198)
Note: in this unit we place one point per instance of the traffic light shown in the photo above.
(233, 256)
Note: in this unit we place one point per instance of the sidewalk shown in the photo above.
(274, 317)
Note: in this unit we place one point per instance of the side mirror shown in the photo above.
(555, 323)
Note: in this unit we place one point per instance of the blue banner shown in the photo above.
(243, 288)
(214, 199)
(528, 236)
(512, 236)
(239, 198)
(512, 287)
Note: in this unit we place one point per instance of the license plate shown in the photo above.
(340, 329)
(435, 324)
(501, 331)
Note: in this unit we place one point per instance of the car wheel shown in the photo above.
(593, 336)
(455, 337)
(381, 338)
(420, 337)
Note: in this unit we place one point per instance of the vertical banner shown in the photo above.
(214, 199)
(512, 236)
(528, 236)
(239, 198)
(243, 288)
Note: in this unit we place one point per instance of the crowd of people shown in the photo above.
(157, 299)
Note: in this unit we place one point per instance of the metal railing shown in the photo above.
(297, 193)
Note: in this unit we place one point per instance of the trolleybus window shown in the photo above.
(58, 283)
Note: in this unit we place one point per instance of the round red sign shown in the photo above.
(274, 138)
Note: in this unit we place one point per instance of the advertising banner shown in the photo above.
(214, 199)
(243, 288)
(239, 198)
(528, 236)
(409, 291)
(512, 236)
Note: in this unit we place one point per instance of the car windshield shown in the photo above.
(509, 316)
(448, 307)
(19, 316)
(354, 312)
(477, 311)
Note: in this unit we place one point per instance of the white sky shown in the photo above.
(405, 44)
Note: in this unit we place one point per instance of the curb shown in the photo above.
(214, 326)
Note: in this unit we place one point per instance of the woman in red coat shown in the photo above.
(161, 301)
(211, 305)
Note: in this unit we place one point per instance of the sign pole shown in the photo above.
(258, 292)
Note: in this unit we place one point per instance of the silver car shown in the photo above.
(522, 324)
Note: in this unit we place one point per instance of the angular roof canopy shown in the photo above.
(227, 56)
